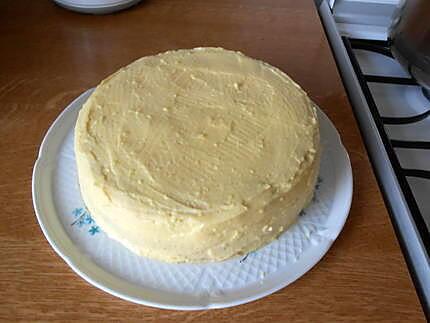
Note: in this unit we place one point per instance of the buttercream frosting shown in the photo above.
(197, 155)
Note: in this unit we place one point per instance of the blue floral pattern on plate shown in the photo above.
(83, 219)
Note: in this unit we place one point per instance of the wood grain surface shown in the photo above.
(49, 55)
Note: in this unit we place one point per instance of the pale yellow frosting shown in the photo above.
(197, 155)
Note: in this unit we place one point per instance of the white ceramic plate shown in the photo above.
(98, 7)
(109, 266)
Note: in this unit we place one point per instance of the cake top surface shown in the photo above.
(204, 132)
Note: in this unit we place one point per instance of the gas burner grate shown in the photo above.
(382, 47)
(405, 120)
(389, 79)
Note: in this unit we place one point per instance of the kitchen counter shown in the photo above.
(49, 56)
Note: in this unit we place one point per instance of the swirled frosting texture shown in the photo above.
(197, 155)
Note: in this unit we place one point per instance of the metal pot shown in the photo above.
(410, 40)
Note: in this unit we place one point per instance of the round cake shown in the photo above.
(197, 155)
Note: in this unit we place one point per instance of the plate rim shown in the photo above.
(314, 255)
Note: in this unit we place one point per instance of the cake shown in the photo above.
(197, 155)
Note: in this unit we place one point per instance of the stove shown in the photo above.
(401, 111)
(393, 113)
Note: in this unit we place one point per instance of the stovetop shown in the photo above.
(393, 114)
(401, 111)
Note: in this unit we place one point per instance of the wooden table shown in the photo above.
(49, 55)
